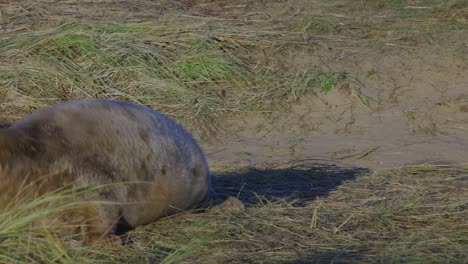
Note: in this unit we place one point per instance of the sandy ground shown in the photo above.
(422, 116)
(420, 112)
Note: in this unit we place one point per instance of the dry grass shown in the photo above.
(27, 232)
(180, 66)
(203, 67)
(296, 213)
(320, 213)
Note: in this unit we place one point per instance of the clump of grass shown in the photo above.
(328, 82)
(380, 4)
(315, 25)
(454, 12)
(23, 239)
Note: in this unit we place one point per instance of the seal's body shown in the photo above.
(95, 142)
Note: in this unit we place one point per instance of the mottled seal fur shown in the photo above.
(93, 142)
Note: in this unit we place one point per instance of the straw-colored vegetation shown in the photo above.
(201, 70)
(408, 215)
(172, 66)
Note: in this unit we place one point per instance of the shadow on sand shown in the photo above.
(298, 182)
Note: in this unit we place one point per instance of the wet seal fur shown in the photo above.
(94, 142)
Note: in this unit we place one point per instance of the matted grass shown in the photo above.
(201, 70)
(172, 66)
(323, 214)
(297, 213)
(415, 214)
